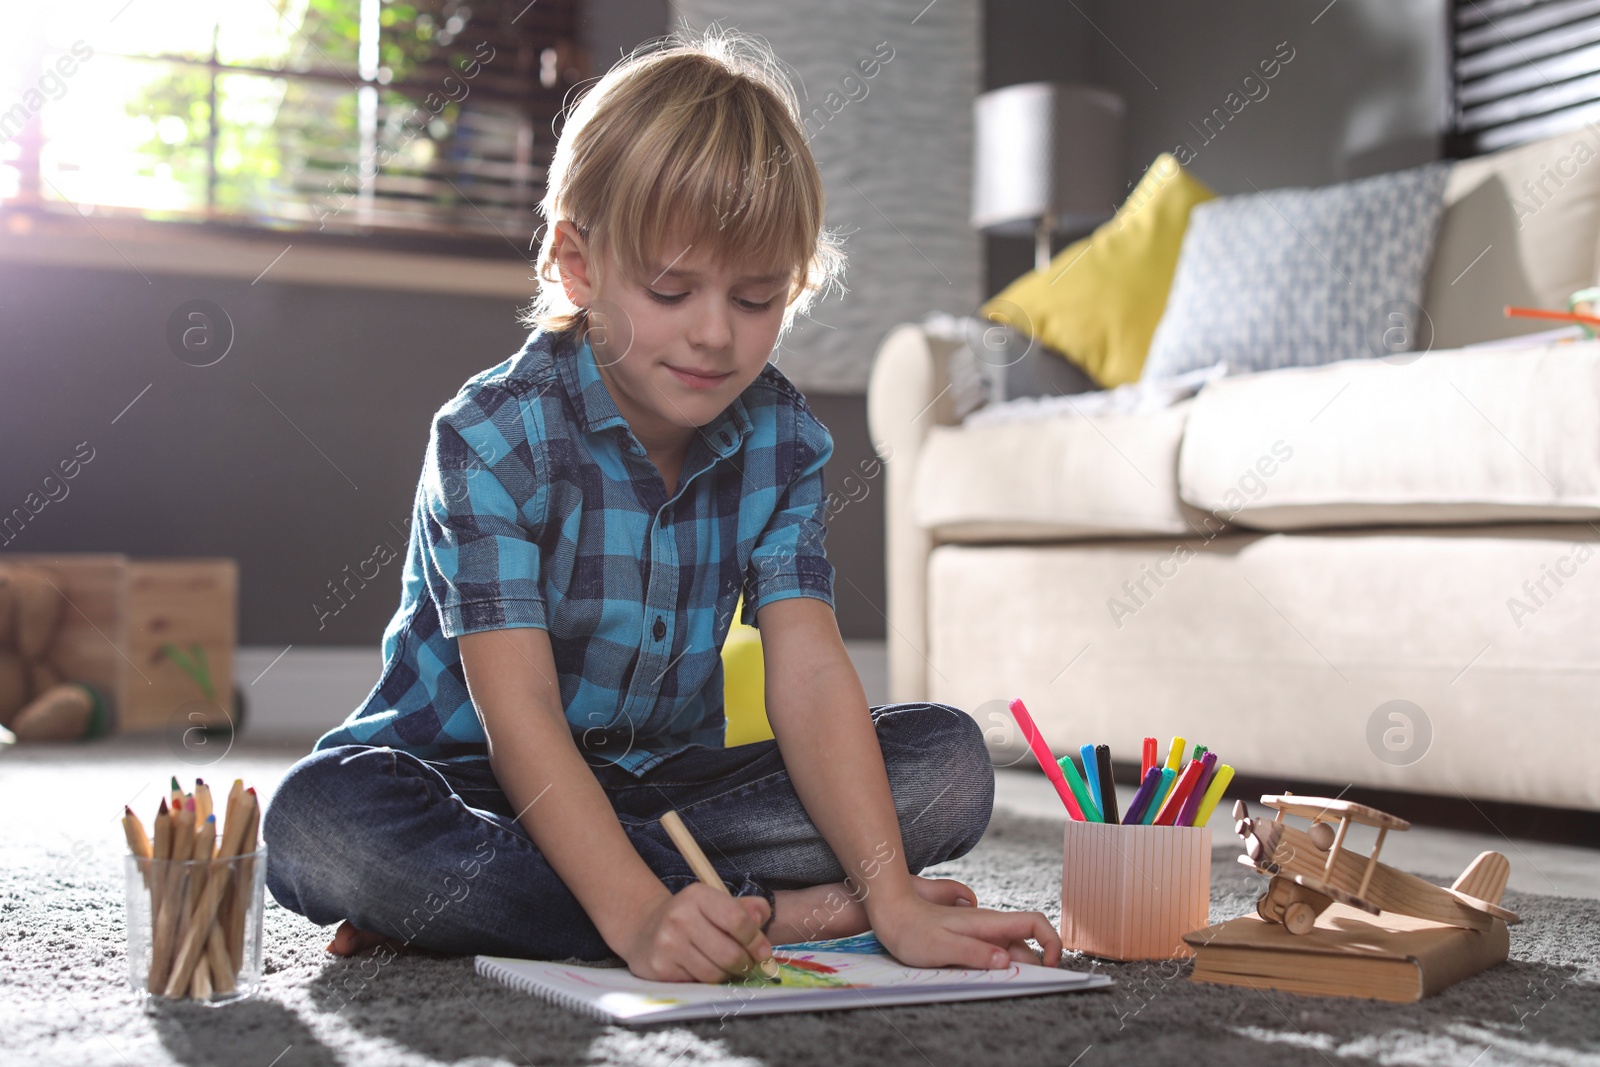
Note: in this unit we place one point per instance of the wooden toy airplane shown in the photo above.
(1312, 869)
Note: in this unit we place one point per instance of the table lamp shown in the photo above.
(1048, 158)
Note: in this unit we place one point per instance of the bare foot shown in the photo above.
(348, 940)
(824, 911)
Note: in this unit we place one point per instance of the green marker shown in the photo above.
(1168, 776)
(1091, 811)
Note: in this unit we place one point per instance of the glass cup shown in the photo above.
(194, 927)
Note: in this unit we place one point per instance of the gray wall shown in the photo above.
(296, 455)
(885, 91)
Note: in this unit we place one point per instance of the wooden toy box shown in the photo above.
(157, 636)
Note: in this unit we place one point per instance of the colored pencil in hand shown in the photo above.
(672, 822)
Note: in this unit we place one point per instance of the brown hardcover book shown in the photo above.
(1348, 953)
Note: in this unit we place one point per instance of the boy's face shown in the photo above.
(677, 346)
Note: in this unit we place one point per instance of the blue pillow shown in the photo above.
(1301, 277)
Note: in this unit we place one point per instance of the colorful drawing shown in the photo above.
(866, 944)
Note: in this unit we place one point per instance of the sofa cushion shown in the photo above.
(1520, 226)
(1099, 299)
(1067, 477)
(1455, 437)
(1298, 277)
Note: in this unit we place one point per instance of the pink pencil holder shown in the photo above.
(1132, 892)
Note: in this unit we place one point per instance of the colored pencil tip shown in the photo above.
(175, 786)
(188, 803)
(211, 818)
(126, 810)
(251, 790)
(163, 809)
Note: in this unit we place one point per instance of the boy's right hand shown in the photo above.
(699, 935)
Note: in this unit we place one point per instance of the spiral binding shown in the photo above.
(492, 968)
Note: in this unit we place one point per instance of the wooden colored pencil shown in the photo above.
(160, 849)
(200, 981)
(231, 892)
(138, 841)
(202, 799)
(205, 848)
(177, 794)
(197, 930)
(198, 869)
(177, 899)
(244, 877)
(672, 822)
(173, 896)
(223, 975)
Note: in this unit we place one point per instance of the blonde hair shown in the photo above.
(700, 134)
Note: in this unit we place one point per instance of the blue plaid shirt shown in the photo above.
(538, 506)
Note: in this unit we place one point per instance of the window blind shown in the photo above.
(1522, 70)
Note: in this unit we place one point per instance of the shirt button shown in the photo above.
(660, 629)
(725, 438)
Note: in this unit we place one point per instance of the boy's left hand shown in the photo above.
(922, 933)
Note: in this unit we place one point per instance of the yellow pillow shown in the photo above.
(744, 684)
(1100, 299)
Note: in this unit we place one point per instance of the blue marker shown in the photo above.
(1091, 775)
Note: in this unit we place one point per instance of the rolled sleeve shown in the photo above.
(480, 539)
(789, 558)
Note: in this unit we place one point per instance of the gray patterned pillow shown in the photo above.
(1300, 277)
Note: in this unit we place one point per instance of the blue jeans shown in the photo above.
(431, 853)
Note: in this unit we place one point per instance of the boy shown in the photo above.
(588, 514)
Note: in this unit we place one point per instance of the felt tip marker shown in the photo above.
(1142, 799)
(1047, 762)
(1075, 782)
(1168, 775)
(1091, 775)
(1197, 795)
(1108, 786)
(1214, 791)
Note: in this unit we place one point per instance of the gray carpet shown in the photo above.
(63, 979)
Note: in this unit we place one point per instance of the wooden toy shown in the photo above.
(1311, 869)
(87, 638)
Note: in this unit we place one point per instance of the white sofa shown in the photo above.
(1376, 573)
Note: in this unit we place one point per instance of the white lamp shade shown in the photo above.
(1046, 151)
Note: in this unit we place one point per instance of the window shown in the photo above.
(1522, 70)
(356, 117)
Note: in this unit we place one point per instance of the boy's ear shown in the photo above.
(572, 263)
